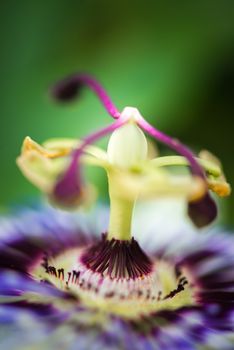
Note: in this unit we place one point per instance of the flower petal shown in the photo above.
(208, 258)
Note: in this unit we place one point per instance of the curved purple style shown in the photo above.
(68, 88)
(69, 187)
(117, 258)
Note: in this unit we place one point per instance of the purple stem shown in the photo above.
(93, 138)
(69, 186)
(175, 145)
(101, 93)
(68, 88)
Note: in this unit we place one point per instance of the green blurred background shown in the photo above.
(171, 59)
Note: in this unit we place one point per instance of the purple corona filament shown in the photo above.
(69, 187)
(117, 258)
(68, 88)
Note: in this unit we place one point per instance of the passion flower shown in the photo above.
(68, 282)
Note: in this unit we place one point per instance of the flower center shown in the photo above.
(117, 277)
(114, 274)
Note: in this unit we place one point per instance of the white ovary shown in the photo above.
(127, 146)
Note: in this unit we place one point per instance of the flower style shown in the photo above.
(69, 281)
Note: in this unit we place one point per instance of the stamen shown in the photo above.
(70, 187)
(68, 88)
(117, 258)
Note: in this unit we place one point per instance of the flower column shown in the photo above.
(127, 147)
